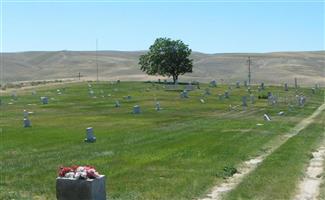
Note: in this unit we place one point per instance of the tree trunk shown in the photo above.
(175, 78)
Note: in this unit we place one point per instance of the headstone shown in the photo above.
(262, 86)
(267, 118)
(128, 97)
(136, 109)
(14, 95)
(118, 81)
(189, 87)
(25, 114)
(226, 94)
(90, 135)
(27, 123)
(301, 101)
(286, 87)
(252, 98)
(81, 189)
(313, 90)
(213, 83)
(117, 104)
(296, 83)
(91, 92)
(244, 101)
(245, 84)
(281, 113)
(317, 86)
(207, 92)
(237, 84)
(249, 90)
(159, 80)
(44, 100)
(220, 97)
(202, 101)
(158, 106)
(272, 99)
(184, 94)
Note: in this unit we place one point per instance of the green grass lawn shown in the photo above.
(278, 176)
(175, 153)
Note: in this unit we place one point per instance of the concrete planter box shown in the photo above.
(81, 189)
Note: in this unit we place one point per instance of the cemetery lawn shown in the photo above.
(279, 174)
(176, 153)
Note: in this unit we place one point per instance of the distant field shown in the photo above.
(176, 153)
(276, 68)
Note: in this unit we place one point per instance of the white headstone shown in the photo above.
(266, 117)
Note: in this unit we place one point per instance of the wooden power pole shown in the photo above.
(249, 69)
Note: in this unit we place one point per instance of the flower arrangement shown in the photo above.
(78, 172)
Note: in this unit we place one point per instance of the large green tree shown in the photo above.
(167, 57)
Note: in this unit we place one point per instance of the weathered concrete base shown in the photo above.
(90, 189)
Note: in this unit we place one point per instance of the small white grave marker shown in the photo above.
(267, 118)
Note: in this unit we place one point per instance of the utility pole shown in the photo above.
(97, 58)
(249, 69)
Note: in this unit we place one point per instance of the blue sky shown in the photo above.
(208, 27)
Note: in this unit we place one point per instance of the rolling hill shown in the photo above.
(272, 68)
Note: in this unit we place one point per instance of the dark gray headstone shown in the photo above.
(244, 101)
(213, 83)
(81, 189)
(90, 137)
(136, 109)
(207, 91)
(237, 84)
(252, 98)
(44, 100)
(286, 87)
(301, 100)
(117, 104)
(27, 123)
(245, 84)
(226, 94)
(184, 94)
(25, 113)
(262, 86)
(189, 87)
(313, 90)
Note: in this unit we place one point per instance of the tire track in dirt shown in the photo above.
(248, 166)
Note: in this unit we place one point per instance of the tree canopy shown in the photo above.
(167, 57)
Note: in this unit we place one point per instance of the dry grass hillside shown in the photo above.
(275, 68)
